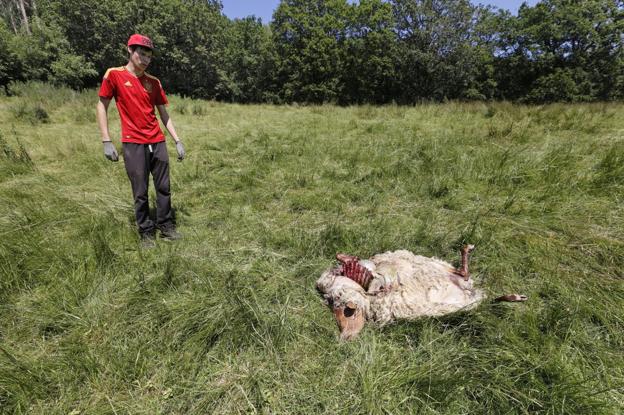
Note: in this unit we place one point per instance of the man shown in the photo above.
(136, 94)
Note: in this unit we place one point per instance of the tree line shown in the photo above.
(317, 51)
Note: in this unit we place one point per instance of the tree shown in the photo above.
(95, 30)
(190, 42)
(369, 73)
(561, 44)
(18, 13)
(248, 63)
(186, 33)
(343, 51)
(309, 37)
(439, 51)
(9, 65)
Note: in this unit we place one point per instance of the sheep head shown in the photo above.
(348, 301)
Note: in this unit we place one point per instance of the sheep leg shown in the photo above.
(512, 298)
(463, 271)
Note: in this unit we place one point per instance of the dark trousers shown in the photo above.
(140, 161)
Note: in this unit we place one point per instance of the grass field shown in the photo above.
(228, 321)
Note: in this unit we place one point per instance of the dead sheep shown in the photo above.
(397, 285)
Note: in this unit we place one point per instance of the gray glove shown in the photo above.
(110, 152)
(181, 152)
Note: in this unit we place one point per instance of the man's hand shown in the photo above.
(110, 151)
(180, 149)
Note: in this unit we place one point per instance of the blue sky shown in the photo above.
(264, 8)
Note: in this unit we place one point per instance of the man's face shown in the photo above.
(141, 57)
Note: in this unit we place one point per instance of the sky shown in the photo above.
(264, 8)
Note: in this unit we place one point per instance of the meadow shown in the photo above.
(228, 320)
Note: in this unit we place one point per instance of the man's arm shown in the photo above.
(166, 120)
(102, 117)
(168, 123)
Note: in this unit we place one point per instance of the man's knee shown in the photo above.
(163, 188)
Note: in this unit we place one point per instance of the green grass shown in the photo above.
(228, 321)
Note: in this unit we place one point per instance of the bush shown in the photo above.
(72, 71)
(46, 55)
(559, 86)
(32, 113)
(38, 50)
(9, 68)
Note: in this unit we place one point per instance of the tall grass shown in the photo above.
(227, 320)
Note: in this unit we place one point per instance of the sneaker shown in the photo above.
(170, 234)
(148, 240)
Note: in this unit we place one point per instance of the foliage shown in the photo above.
(9, 64)
(95, 30)
(309, 36)
(37, 50)
(577, 46)
(370, 71)
(248, 63)
(71, 70)
(439, 54)
(190, 43)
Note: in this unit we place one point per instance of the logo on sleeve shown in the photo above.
(128, 83)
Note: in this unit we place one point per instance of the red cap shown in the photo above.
(140, 40)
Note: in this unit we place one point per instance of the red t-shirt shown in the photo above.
(135, 98)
